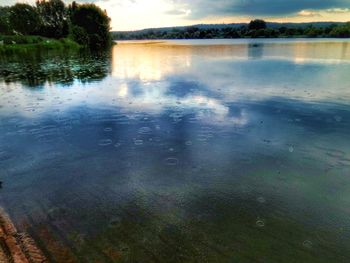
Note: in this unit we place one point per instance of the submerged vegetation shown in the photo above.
(255, 29)
(50, 23)
(52, 65)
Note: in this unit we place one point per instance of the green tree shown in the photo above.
(79, 35)
(53, 18)
(257, 24)
(313, 32)
(94, 21)
(24, 19)
(291, 32)
(329, 29)
(5, 20)
(341, 31)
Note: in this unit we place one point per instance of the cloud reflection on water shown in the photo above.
(193, 75)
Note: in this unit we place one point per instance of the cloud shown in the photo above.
(205, 8)
(330, 11)
(338, 10)
(308, 13)
(181, 12)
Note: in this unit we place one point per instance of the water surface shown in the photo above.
(180, 151)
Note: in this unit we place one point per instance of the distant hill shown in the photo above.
(234, 25)
(240, 30)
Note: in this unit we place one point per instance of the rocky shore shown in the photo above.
(16, 247)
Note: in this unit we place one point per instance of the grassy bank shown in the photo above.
(10, 44)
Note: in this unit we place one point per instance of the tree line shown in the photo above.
(87, 24)
(255, 29)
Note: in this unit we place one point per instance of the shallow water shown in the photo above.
(180, 151)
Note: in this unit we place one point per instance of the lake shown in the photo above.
(180, 151)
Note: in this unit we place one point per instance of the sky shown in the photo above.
(139, 14)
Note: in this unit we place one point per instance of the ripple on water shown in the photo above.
(194, 119)
(105, 142)
(338, 118)
(145, 131)
(4, 156)
(176, 115)
(171, 161)
(138, 142)
(108, 129)
(260, 223)
(157, 139)
(261, 199)
(307, 244)
(115, 221)
(188, 143)
(202, 138)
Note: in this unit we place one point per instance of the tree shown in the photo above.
(257, 24)
(79, 35)
(291, 32)
(24, 19)
(5, 20)
(53, 18)
(313, 31)
(341, 31)
(329, 29)
(95, 23)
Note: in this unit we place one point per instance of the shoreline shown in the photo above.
(226, 38)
